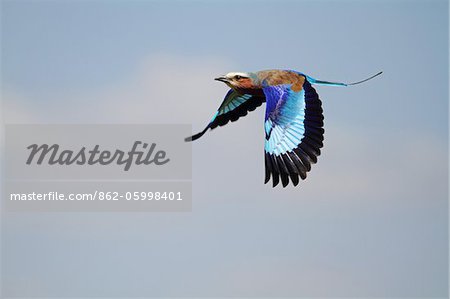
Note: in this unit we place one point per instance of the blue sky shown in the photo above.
(371, 219)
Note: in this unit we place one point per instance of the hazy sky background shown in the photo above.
(370, 220)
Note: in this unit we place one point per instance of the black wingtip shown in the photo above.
(196, 136)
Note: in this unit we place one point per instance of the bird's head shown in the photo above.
(238, 80)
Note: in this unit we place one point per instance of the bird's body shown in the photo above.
(293, 119)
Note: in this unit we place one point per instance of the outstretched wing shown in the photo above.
(294, 132)
(233, 106)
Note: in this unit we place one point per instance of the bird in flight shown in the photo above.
(293, 120)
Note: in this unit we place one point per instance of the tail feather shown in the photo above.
(320, 82)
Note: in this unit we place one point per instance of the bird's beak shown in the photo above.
(222, 79)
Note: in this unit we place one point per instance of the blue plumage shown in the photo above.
(293, 122)
(285, 111)
(294, 133)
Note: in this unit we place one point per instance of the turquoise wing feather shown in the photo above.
(234, 106)
(294, 132)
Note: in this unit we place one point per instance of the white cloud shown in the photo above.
(164, 89)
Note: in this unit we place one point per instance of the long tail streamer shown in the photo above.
(314, 81)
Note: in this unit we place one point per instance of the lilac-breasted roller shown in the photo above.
(293, 119)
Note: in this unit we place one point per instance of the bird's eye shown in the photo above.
(237, 77)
